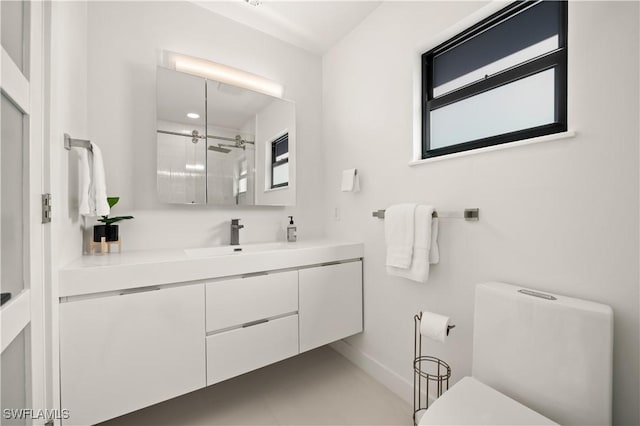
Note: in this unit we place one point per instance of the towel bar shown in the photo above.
(467, 214)
(69, 143)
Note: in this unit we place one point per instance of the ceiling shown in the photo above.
(312, 25)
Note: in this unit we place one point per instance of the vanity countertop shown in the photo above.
(140, 268)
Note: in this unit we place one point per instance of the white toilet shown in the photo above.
(538, 359)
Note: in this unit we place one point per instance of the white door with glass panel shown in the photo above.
(22, 365)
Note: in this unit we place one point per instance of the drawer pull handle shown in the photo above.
(138, 290)
(252, 323)
(537, 294)
(254, 274)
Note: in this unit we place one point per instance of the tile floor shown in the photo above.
(319, 387)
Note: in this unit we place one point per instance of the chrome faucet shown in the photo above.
(235, 231)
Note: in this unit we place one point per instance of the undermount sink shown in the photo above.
(229, 250)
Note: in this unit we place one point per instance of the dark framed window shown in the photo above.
(280, 161)
(502, 80)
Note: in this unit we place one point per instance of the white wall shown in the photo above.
(67, 114)
(66, 98)
(124, 41)
(560, 216)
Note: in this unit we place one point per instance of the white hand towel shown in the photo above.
(98, 188)
(399, 234)
(423, 241)
(350, 181)
(434, 250)
(84, 181)
(92, 196)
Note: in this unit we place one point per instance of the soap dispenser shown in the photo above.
(291, 231)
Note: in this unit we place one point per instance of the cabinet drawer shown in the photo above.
(239, 301)
(238, 351)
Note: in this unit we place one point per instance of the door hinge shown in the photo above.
(46, 208)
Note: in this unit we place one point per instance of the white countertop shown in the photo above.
(117, 271)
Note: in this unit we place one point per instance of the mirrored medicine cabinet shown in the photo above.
(221, 144)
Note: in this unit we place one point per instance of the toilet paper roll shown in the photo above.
(434, 326)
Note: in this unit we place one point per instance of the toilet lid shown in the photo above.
(471, 402)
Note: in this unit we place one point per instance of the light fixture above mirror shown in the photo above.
(222, 73)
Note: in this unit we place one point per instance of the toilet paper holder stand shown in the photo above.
(427, 370)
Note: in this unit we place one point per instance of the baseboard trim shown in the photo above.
(381, 373)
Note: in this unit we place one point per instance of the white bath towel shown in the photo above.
(425, 249)
(399, 232)
(84, 182)
(92, 200)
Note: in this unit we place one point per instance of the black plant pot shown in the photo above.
(109, 232)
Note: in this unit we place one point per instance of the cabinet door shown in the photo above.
(122, 353)
(330, 306)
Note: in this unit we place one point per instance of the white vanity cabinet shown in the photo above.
(129, 350)
(140, 328)
(252, 321)
(330, 303)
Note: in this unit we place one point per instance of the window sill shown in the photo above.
(280, 188)
(546, 138)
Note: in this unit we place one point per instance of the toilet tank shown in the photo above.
(551, 353)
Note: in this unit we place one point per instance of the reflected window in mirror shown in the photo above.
(280, 161)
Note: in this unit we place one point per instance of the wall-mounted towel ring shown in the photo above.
(69, 143)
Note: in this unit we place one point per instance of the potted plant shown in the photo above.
(109, 231)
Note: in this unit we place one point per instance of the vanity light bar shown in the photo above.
(224, 74)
